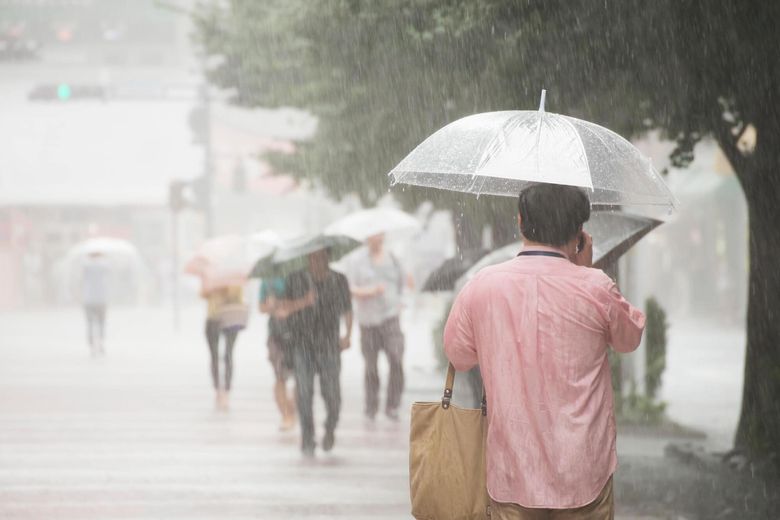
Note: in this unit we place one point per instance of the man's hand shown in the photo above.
(584, 257)
(345, 342)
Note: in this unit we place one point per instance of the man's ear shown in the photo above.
(519, 220)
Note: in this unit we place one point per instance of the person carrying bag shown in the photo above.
(447, 459)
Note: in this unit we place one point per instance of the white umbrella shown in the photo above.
(369, 222)
(106, 246)
(122, 258)
(499, 153)
(227, 260)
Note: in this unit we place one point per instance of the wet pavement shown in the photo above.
(136, 435)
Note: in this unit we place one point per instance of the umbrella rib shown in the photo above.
(584, 153)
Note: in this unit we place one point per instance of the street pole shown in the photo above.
(208, 163)
(175, 270)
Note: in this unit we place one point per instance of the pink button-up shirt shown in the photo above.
(539, 328)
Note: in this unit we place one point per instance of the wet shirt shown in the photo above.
(539, 327)
(365, 272)
(320, 322)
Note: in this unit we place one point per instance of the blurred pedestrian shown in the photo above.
(273, 301)
(376, 281)
(318, 344)
(226, 317)
(539, 327)
(95, 288)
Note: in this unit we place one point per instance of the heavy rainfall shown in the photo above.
(245, 244)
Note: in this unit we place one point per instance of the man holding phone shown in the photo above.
(540, 326)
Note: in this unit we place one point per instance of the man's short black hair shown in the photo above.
(552, 214)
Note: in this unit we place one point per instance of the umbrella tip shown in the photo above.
(541, 101)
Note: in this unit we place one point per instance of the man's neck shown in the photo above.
(565, 249)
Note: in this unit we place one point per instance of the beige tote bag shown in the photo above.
(447, 459)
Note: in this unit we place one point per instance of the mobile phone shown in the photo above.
(581, 242)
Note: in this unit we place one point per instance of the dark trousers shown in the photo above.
(388, 338)
(96, 325)
(325, 361)
(213, 331)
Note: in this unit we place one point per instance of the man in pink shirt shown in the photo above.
(539, 326)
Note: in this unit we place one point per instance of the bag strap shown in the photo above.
(450, 382)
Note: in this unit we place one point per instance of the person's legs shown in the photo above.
(90, 317)
(230, 341)
(329, 368)
(212, 338)
(603, 508)
(284, 402)
(100, 327)
(304, 390)
(393, 343)
(501, 511)
(369, 345)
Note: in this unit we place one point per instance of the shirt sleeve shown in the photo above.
(626, 322)
(459, 342)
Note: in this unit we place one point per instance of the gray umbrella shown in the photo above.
(613, 232)
(292, 256)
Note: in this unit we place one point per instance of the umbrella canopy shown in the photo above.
(444, 277)
(106, 246)
(292, 256)
(369, 222)
(128, 269)
(227, 260)
(613, 232)
(500, 153)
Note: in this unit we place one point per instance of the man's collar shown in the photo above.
(549, 249)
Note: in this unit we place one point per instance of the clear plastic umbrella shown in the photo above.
(499, 153)
(369, 222)
(614, 233)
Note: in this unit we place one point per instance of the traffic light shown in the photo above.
(67, 92)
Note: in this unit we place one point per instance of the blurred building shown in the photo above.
(94, 126)
(103, 106)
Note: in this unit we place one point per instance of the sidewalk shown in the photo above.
(135, 434)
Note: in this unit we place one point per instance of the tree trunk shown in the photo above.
(759, 424)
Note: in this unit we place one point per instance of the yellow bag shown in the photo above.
(447, 459)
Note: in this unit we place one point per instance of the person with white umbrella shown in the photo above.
(376, 281)
(95, 286)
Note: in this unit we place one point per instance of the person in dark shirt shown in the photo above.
(318, 343)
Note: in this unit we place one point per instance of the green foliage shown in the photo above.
(655, 346)
(642, 409)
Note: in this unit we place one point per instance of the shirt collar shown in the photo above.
(546, 248)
